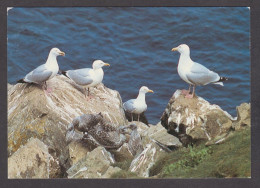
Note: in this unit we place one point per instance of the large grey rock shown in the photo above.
(78, 149)
(33, 161)
(93, 165)
(33, 113)
(159, 133)
(142, 162)
(122, 153)
(243, 117)
(194, 119)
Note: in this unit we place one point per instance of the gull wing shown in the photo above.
(80, 76)
(200, 75)
(38, 75)
(129, 105)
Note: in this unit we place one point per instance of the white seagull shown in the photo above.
(87, 77)
(194, 73)
(138, 105)
(45, 71)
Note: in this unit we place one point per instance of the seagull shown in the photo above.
(194, 73)
(45, 71)
(98, 131)
(138, 105)
(87, 77)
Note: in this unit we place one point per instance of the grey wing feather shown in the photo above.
(80, 76)
(129, 105)
(38, 75)
(200, 75)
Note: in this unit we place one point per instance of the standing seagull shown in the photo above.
(193, 73)
(87, 77)
(44, 72)
(138, 105)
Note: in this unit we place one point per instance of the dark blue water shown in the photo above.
(137, 42)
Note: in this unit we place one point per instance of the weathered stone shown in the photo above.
(219, 139)
(33, 161)
(243, 117)
(122, 153)
(159, 133)
(9, 86)
(34, 113)
(78, 150)
(194, 119)
(93, 165)
(142, 162)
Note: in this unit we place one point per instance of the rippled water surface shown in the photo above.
(137, 42)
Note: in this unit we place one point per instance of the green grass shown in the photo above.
(124, 174)
(229, 159)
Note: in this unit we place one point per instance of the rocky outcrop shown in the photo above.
(94, 165)
(33, 161)
(34, 113)
(194, 119)
(160, 134)
(142, 163)
(243, 117)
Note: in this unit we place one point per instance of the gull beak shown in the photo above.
(150, 91)
(62, 53)
(106, 64)
(175, 49)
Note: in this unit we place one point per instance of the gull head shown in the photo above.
(97, 64)
(56, 52)
(182, 49)
(145, 89)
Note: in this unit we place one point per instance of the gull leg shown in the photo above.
(46, 89)
(132, 117)
(185, 92)
(138, 117)
(85, 92)
(190, 96)
(189, 87)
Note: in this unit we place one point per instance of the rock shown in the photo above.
(194, 119)
(111, 170)
(78, 150)
(93, 165)
(122, 153)
(33, 113)
(142, 162)
(219, 139)
(141, 128)
(159, 133)
(9, 86)
(33, 161)
(243, 117)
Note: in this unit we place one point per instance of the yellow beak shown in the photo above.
(150, 91)
(62, 53)
(175, 49)
(106, 64)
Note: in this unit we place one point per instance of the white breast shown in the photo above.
(97, 76)
(140, 106)
(54, 67)
(184, 67)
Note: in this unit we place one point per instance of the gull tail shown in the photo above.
(221, 80)
(21, 81)
(64, 73)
